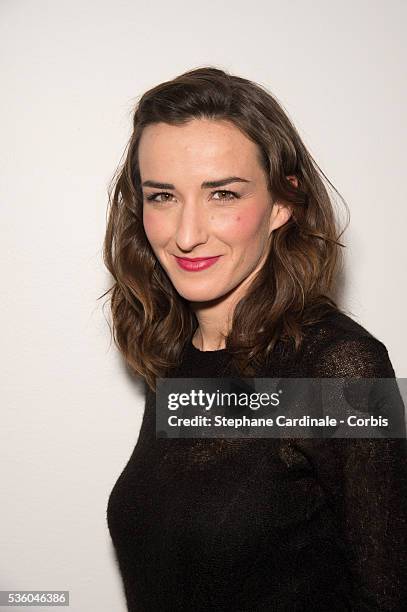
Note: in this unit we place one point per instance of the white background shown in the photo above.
(71, 72)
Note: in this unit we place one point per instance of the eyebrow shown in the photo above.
(204, 185)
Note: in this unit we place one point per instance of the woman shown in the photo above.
(223, 244)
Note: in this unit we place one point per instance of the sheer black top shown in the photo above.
(250, 525)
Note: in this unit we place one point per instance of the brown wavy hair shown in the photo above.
(151, 322)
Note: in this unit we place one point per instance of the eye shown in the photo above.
(152, 196)
(230, 193)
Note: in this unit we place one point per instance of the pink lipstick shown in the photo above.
(196, 264)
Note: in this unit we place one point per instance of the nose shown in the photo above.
(192, 225)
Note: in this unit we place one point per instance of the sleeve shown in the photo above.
(370, 488)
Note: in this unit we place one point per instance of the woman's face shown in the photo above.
(187, 218)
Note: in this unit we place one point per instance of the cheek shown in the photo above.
(153, 228)
(244, 227)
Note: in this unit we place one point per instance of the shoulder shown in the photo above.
(339, 347)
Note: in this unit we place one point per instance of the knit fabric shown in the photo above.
(254, 524)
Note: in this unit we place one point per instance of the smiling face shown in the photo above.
(232, 218)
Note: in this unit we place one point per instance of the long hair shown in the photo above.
(151, 322)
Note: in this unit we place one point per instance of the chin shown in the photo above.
(199, 295)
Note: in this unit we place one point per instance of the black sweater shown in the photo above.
(250, 525)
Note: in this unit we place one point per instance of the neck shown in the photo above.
(214, 322)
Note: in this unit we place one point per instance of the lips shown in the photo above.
(197, 263)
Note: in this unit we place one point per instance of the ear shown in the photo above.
(293, 180)
(281, 212)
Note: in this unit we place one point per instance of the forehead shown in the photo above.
(203, 143)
